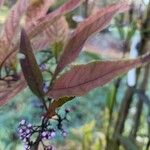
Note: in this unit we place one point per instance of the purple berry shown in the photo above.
(29, 125)
(44, 134)
(53, 133)
(28, 131)
(45, 88)
(27, 147)
(21, 138)
(25, 140)
(49, 137)
(20, 130)
(28, 136)
(64, 133)
(43, 67)
(50, 148)
(22, 122)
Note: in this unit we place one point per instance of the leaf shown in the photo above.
(40, 25)
(93, 24)
(30, 67)
(110, 97)
(8, 91)
(40, 42)
(56, 49)
(83, 78)
(1, 2)
(10, 28)
(37, 10)
(12, 23)
(56, 104)
(58, 31)
(43, 23)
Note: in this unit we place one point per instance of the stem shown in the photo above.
(140, 103)
(44, 103)
(148, 143)
(38, 140)
(124, 109)
(111, 113)
(144, 48)
(123, 113)
(85, 4)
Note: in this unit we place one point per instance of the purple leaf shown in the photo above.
(94, 23)
(8, 92)
(83, 78)
(10, 28)
(30, 67)
(43, 23)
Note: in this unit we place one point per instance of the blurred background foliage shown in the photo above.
(112, 117)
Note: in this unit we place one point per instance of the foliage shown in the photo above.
(55, 80)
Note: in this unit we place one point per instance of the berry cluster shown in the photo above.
(45, 131)
(25, 132)
(48, 135)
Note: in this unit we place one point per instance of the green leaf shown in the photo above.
(57, 48)
(131, 31)
(92, 55)
(110, 97)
